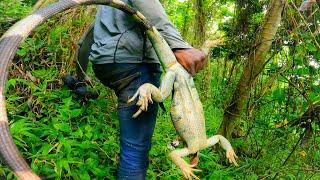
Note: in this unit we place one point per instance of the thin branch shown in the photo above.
(293, 150)
(306, 24)
(297, 88)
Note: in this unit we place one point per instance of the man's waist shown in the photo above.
(123, 59)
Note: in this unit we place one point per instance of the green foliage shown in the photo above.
(10, 12)
(62, 138)
(12, 9)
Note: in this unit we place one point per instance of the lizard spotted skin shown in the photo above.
(186, 109)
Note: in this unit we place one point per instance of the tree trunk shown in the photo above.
(311, 115)
(186, 23)
(206, 74)
(254, 66)
(199, 23)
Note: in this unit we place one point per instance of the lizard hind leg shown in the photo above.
(174, 144)
(187, 169)
(225, 144)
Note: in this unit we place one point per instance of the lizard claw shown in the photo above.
(135, 115)
(231, 156)
(188, 171)
(145, 96)
(133, 97)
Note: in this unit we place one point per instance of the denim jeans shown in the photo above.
(135, 134)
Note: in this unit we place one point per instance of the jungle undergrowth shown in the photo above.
(61, 137)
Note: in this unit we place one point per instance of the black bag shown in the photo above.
(78, 84)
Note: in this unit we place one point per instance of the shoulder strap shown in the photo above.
(83, 53)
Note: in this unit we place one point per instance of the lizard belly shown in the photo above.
(188, 124)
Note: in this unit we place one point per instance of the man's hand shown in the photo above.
(191, 59)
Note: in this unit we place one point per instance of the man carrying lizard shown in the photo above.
(123, 59)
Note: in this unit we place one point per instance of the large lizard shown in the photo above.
(187, 113)
(186, 109)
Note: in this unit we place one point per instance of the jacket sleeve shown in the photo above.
(154, 12)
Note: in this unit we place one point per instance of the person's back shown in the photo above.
(119, 39)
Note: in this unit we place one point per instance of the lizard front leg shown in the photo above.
(187, 169)
(147, 93)
(225, 144)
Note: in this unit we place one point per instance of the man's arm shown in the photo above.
(190, 58)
